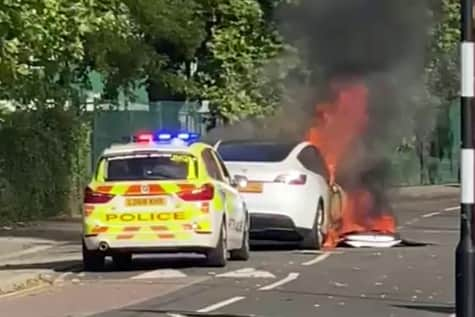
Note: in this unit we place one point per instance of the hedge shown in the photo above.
(43, 164)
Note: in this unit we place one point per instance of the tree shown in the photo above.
(42, 46)
(163, 38)
(240, 71)
(435, 140)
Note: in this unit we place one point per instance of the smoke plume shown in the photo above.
(381, 43)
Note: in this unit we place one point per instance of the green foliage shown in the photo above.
(163, 36)
(41, 164)
(236, 70)
(42, 45)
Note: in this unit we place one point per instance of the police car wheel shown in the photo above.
(122, 261)
(92, 260)
(217, 257)
(244, 252)
(314, 239)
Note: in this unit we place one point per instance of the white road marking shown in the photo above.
(247, 273)
(163, 273)
(441, 231)
(317, 252)
(414, 220)
(319, 258)
(432, 214)
(221, 304)
(452, 208)
(289, 278)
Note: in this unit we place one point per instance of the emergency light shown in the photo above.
(166, 137)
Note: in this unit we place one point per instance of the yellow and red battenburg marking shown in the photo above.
(99, 229)
(125, 236)
(105, 189)
(153, 189)
(88, 210)
(205, 207)
(131, 229)
(187, 226)
(166, 235)
(159, 228)
(136, 189)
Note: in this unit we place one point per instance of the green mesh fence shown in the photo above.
(438, 161)
(112, 126)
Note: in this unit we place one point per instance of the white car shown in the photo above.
(288, 193)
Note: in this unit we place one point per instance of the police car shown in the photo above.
(163, 192)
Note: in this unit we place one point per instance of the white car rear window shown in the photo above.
(255, 152)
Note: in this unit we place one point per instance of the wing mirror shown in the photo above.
(239, 181)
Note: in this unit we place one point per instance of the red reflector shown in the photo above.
(92, 197)
(291, 179)
(205, 192)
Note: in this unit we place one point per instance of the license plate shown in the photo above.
(140, 202)
(252, 187)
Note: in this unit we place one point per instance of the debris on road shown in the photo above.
(371, 240)
(338, 284)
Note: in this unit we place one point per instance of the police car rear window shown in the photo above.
(156, 167)
(255, 152)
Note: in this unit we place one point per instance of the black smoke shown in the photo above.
(381, 43)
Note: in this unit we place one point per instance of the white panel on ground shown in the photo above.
(371, 241)
(165, 273)
(247, 273)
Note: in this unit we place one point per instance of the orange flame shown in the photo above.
(337, 126)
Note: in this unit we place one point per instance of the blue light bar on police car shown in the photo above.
(162, 136)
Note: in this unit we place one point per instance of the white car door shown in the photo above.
(235, 206)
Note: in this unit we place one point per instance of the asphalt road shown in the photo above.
(415, 279)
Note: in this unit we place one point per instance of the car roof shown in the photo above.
(294, 146)
(128, 148)
(290, 143)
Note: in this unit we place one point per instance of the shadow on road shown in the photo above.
(433, 309)
(47, 234)
(57, 266)
(139, 264)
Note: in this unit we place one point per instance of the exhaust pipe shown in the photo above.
(103, 246)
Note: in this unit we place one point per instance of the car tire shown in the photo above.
(244, 252)
(122, 261)
(217, 257)
(92, 260)
(314, 239)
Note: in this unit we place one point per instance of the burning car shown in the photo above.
(289, 193)
(339, 126)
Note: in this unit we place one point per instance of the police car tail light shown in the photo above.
(92, 197)
(291, 179)
(205, 192)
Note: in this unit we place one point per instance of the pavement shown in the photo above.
(40, 264)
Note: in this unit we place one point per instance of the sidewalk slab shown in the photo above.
(15, 280)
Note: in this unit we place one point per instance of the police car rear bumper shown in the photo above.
(107, 244)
